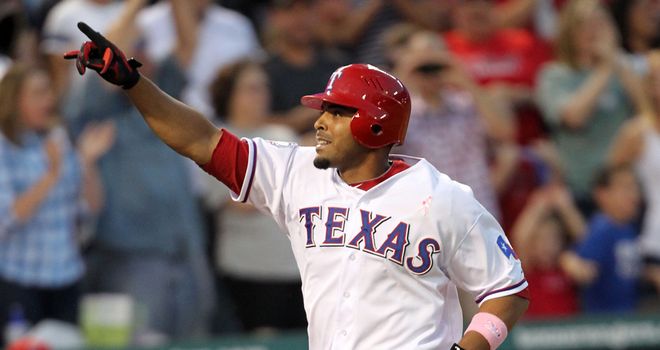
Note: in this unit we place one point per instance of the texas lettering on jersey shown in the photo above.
(393, 247)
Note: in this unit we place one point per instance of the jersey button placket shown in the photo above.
(346, 304)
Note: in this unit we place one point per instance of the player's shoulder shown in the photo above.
(282, 148)
(439, 180)
(425, 178)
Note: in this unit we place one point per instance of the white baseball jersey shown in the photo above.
(380, 267)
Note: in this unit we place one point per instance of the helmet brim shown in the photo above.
(316, 101)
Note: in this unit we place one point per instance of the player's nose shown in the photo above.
(320, 124)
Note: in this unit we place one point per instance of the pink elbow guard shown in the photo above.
(490, 327)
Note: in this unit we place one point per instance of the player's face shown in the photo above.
(335, 146)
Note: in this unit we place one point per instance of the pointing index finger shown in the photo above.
(93, 35)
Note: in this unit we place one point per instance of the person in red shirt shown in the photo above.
(541, 233)
(505, 62)
(492, 54)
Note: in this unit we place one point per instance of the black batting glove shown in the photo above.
(104, 57)
(456, 347)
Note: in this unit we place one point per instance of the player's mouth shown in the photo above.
(322, 141)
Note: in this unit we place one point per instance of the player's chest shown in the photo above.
(404, 239)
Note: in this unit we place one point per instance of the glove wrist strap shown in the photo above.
(132, 81)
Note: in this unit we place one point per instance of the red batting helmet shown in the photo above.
(381, 100)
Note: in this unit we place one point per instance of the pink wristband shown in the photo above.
(490, 327)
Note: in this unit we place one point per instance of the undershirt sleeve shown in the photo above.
(229, 161)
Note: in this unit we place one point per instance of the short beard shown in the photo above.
(321, 163)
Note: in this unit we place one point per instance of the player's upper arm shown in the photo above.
(267, 178)
(479, 258)
(255, 170)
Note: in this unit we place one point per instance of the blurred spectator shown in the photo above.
(47, 186)
(218, 36)
(518, 171)
(364, 22)
(352, 19)
(549, 222)
(515, 13)
(606, 262)
(504, 61)
(395, 43)
(587, 93)
(638, 145)
(255, 10)
(10, 26)
(297, 64)
(60, 35)
(18, 41)
(638, 24)
(537, 16)
(5, 63)
(428, 14)
(452, 119)
(254, 255)
(149, 238)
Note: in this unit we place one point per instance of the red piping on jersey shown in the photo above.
(229, 161)
(501, 290)
(396, 167)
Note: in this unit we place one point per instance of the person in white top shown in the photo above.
(638, 144)
(223, 36)
(382, 242)
(60, 34)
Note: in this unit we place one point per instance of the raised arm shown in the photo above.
(579, 108)
(628, 144)
(182, 128)
(179, 126)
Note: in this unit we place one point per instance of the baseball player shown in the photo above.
(382, 242)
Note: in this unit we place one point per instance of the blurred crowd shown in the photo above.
(548, 109)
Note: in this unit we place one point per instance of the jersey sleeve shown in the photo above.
(478, 256)
(255, 170)
(268, 172)
(230, 161)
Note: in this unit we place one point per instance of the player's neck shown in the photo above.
(368, 168)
